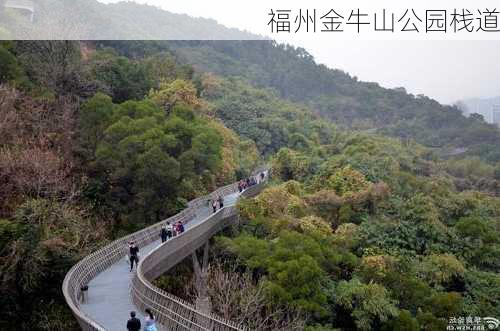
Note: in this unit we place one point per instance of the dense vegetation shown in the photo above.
(362, 239)
(357, 230)
(336, 95)
(100, 142)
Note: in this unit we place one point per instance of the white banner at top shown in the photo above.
(283, 20)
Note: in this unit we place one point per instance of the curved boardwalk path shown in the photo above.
(114, 291)
(109, 301)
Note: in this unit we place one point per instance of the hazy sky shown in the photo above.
(444, 70)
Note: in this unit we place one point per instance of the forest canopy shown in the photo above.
(365, 225)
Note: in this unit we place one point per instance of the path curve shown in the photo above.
(105, 272)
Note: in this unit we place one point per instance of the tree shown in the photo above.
(50, 236)
(295, 268)
(125, 79)
(10, 70)
(440, 270)
(368, 304)
(177, 92)
(404, 322)
(157, 174)
(445, 305)
(94, 117)
(55, 65)
(147, 163)
(290, 165)
(347, 181)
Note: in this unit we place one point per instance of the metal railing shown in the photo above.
(171, 311)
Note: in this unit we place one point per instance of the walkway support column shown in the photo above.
(203, 303)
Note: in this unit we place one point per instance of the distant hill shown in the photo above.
(334, 94)
(90, 19)
(291, 72)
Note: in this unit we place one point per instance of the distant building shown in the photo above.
(496, 114)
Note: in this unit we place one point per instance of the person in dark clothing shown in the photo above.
(181, 227)
(221, 202)
(262, 176)
(133, 324)
(240, 186)
(134, 255)
(170, 230)
(163, 234)
(214, 205)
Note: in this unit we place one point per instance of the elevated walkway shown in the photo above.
(114, 291)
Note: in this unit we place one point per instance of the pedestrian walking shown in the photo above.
(214, 205)
(134, 255)
(163, 234)
(169, 230)
(221, 202)
(150, 323)
(181, 227)
(133, 324)
(174, 230)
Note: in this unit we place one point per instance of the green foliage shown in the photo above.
(418, 238)
(445, 305)
(420, 209)
(430, 322)
(476, 228)
(10, 70)
(143, 155)
(43, 240)
(496, 173)
(404, 322)
(366, 232)
(440, 270)
(126, 79)
(291, 165)
(347, 181)
(482, 293)
(94, 118)
(261, 116)
(336, 95)
(367, 303)
(9, 231)
(178, 91)
(294, 266)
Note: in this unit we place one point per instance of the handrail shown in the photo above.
(142, 290)
(170, 311)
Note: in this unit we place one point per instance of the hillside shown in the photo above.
(357, 231)
(364, 225)
(292, 72)
(90, 19)
(338, 96)
(335, 95)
